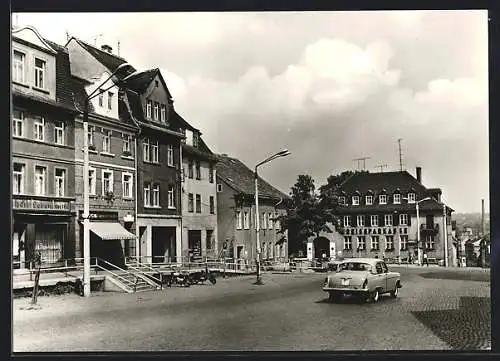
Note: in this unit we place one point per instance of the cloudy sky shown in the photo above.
(329, 86)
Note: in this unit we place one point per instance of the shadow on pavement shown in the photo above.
(460, 276)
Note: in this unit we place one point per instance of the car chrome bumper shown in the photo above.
(346, 290)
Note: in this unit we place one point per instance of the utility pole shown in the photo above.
(381, 166)
(400, 155)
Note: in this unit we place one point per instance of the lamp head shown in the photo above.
(283, 153)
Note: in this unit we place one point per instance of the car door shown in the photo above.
(379, 277)
(386, 281)
(390, 278)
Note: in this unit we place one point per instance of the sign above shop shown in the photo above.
(40, 204)
(100, 216)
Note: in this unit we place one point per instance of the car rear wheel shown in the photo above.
(375, 296)
(395, 291)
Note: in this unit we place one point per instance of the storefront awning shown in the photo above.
(110, 230)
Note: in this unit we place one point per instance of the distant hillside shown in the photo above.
(472, 220)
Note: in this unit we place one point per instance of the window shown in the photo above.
(375, 243)
(40, 66)
(198, 170)
(411, 197)
(198, 203)
(378, 267)
(246, 220)
(107, 182)
(388, 220)
(361, 243)
(163, 112)
(342, 200)
(355, 200)
(156, 195)
(277, 222)
(59, 133)
(18, 67)
(39, 128)
(171, 203)
(60, 178)
(110, 100)
(195, 139)
(157, 109)
(190, 203)
(40, 175)
(190, 169)
(146, 150)
(347, 221)
(212, 205)
(18, 179)
(127, 185)
(397, 198)
(404, 243)
(92, 181)
(149, 105)
(429, 242)
(264, 220)
(270, 221)
(219, 188)
(90, 135)
(18, 123)
(211, 173)
(403, 219)
(154, 152)
(126, 143)
(170, 154)
(156, 83)
(239, 220)
(369, 200)
(382, 199)
(374, 220)
(347, 243)
(106, 142)
(147, 195)
(360, 221)
(389, 243)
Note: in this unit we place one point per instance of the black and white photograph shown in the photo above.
(250, 181)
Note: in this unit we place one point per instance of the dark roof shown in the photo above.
(110, 61)
(141, 81)
(178, 122)
(241, 178)
(390, 183)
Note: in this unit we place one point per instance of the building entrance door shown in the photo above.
(163, 244)
(194, 244)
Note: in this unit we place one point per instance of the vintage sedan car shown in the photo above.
(365, 278)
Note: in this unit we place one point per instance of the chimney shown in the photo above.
(107, 48)
(419, 174)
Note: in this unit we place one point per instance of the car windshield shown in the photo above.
(354, 266)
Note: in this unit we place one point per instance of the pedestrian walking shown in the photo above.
(425, 260)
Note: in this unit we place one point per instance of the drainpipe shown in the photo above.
(180, 195)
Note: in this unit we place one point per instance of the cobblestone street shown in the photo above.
(289, 312)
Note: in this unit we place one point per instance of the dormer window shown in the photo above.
(110, 100)
(101, 98)
(382, 199)
(369, 200)
(195, 139)
(397, 198)
(342, 200)
(40, 66)
(411, 197)
(149, 106)
(163, 113)
(355, 200)
(157, 111)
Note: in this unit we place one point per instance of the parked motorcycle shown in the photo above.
(177, 277)
(203, 276)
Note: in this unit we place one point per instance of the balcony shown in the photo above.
(429, 228)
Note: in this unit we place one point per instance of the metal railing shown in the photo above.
(149, 278)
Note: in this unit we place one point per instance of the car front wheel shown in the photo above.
(374, 296)
(395, 291)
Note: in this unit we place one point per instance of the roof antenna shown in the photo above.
(381, 166)
(359, 160)
(97, 37)
(118, 48)
(67, 36)
(400, 155)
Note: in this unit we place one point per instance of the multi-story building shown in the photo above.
(236, 213)
(42, 149)
(112, 157)
(199, 197)
(379, 218)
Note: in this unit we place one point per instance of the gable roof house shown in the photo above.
(236, 213)
(379, 217)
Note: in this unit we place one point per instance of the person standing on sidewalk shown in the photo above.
(425, 260)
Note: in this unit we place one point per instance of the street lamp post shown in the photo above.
(419, 248)
(86, 201)
(283, 153)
